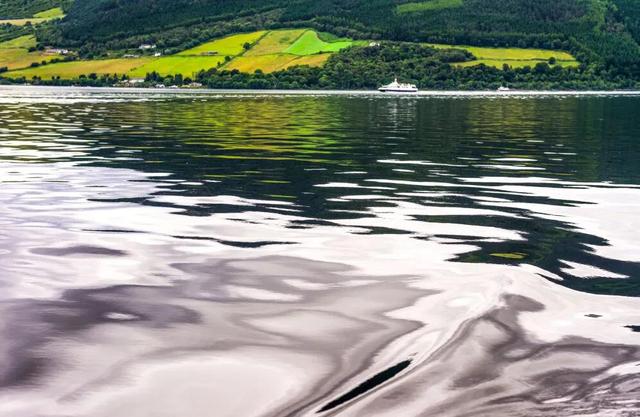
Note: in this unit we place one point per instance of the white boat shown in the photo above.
(503, 88)
(396, 87)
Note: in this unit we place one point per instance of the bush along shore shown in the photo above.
(368, 67)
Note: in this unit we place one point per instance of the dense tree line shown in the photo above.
(628, 11)
(8, 32)
(90, 80)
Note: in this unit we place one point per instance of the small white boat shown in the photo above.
(396, 87)
(503, 88)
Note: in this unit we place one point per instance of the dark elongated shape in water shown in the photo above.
(367, 385)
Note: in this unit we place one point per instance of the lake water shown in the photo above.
(205, 254)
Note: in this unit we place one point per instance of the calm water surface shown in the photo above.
(270, 255)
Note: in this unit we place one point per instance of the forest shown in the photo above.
(14, 9)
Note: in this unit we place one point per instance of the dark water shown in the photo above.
(251, 255)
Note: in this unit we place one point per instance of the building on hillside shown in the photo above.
(56, 51)
(146, 47)
(132, 82)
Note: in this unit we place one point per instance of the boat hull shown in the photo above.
(392, 90)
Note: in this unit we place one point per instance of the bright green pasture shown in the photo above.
(427, 5)
(171, 65)
(55, 13)
(309, 43)
(514, 57)
(230, 45)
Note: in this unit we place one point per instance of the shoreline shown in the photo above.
(364, 93)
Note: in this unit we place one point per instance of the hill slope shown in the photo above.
(267, 51)
(568, 43)
(604, 31)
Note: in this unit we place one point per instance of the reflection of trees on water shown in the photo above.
(282, 148)
(548, 243)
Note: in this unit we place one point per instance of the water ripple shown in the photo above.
(343, 255)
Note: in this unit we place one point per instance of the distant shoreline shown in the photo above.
(372, 93)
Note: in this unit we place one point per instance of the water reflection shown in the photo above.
(288, 256)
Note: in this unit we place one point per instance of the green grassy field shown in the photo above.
(74, 69)
(499, 63)
(21, 58)
(427, 5)
(230, 45)
(275, 42)
(514, 57)
(55, 13)
(281, 49)
(275, 62)
(26, 42)
(309, 43)
(266, 63)
(51, 14)
(177, 64)
(270, 51)
(15, 53)
(312, 60)
(330, 37)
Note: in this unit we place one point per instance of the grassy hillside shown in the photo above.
(15, 53)
(267, 51)
(309, 43)
(595, 41)
(513, 57)
(229, 45)
(599, 32)
(22, 42)
(70, 70)
(185, 65)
